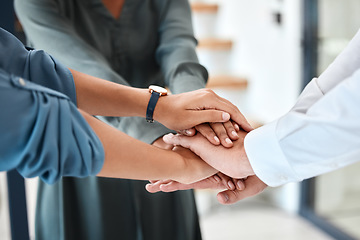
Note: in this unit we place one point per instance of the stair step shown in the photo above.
(227, 82)
(201, 7)
(215, 44)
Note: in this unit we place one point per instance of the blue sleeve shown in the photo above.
(35, 66)
(42, 132)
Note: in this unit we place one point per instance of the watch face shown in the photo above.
(158, 89)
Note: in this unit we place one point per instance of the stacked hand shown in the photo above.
(235, 175)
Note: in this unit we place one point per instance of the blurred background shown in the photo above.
(260, 54)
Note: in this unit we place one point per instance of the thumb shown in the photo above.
(197, 144)
(177, 140)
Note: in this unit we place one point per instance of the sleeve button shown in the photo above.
(22, 82)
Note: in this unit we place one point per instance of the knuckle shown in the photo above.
(208, 91)
(222, 134)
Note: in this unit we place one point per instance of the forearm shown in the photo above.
(177, 112)
(304, 145)
(126, 157)
(99, 97)
(138, 128)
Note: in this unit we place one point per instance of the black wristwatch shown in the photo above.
(156, 92)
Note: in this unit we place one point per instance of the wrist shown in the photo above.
(245, 162)
(161, 109)
(156, 93)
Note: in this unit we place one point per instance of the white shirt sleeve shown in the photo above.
(322, 131)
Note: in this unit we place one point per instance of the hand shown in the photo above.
(196, 168)
(244, 188)
(218, 181)
(216, 133)
(230, 161)
(253, 186)
(186, 110)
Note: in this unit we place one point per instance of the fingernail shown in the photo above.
(216, 139)
(240, 184)
(227, 140)
(217, 179)
(237, 128)
(231, 185)
(234, 134)
(225, 116)
(225, 197)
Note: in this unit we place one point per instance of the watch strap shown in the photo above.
(151, 106)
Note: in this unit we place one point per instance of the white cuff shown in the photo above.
(267, 158)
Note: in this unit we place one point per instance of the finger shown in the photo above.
(230, 129)
(206, 130)
(227, 181)
(174, 186)
(239, 183)
(152, 187)
(188, 132)
(236, 126)
(235, 114)
(155, 186)
(253, 186)
(210, 115)
(221, 132)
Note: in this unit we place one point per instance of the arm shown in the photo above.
(176, 50)
(188, 109)
(303, 145)
(149, 162)
(44, 135)
(99, 97)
